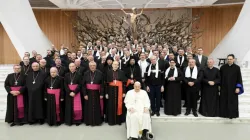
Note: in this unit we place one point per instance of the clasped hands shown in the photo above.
(171, 79)
(132, 110)
(211, 83)
(86, 97)
(15, 93)
(162, 89)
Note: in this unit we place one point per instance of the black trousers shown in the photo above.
(192, 94)
(155, 97)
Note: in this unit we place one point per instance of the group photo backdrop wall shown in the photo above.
(57, 26)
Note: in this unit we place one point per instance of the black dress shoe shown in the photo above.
(21, 124)
(157, 114)
(195, 114)
(31, 123)
(58, 124)
(41, 122)
(187, 113)
(77, 124)
(152, 113)
(13, 124)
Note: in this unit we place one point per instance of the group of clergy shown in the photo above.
(90, 86)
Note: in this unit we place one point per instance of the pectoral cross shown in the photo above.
(33, 82)
(16, 83)
(51, 87)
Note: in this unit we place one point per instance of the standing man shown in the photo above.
(201, 60)
(61, 69)
(209, 105)
(138, 117)
(43, 67)
(26, 67)
(73, 97)
(181, 59)
(133, 73)
(115, 92)
(54, 95)
(35, 87)
(231, 87)
(80, 70)
(93, 94)
(143, 64)
(154, 79)
(33, 58)
(173, 78)
(193, 77)
(16, 98)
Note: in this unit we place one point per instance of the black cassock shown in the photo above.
(61, 71)
(35, 87)
(54, 110)
(209, 105)
(45, 70)
(93, 88)
(230, 77)
(112, 115)
(173, 93)
(132, 73)
(76, 79)
(81, 70)
(13, 109)
(25, 69)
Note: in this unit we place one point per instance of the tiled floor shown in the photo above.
(162, 131)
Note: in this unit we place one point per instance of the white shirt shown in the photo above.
(143, 65)
(200, 58)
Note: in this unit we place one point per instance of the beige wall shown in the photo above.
(216, 22)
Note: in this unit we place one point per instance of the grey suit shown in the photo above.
(203, 63)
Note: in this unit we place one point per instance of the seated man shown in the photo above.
(138, 117)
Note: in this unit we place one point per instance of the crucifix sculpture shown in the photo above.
(133, 22)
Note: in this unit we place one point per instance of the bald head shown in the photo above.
(35, 66)
(53, 72)
(210, 62)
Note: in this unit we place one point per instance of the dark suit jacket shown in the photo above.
(203, 63)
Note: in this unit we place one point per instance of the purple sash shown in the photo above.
(96, 87)
(56, 92)
(77, 104)
(20, 105)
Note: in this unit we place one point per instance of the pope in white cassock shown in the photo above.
(138, 117)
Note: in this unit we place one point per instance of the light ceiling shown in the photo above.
(118, 4)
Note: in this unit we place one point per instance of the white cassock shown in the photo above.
(138, 120)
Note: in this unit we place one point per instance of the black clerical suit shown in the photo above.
(192, 92)
(155, 83)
